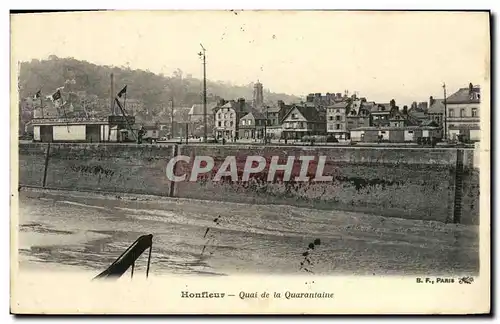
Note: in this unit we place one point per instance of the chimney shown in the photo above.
(471, 87)
(281, 103)
(221, 102)
(431, 101)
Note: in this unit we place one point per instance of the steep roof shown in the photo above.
(437, 107)
(381, 107)
(417, 114)
(465, 95)
(342, 104)
(310, 114)
(274, 108)
(255, 114)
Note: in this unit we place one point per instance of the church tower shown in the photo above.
(258, 95)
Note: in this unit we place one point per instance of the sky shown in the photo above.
(404, 56)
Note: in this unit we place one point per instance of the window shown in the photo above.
(338, 110)
(338, 117)
(231, 115)
(451, 113)
(225, 116)
(294, 116)
(462, 112)
(478, 96)
(410, 132)
(330, 118)
(243, 122)
(337, 126)
(219, 116)
(249, 122)
(220, 124)
(231, 124)
(330, 126)
(225, 123)
(474, 112)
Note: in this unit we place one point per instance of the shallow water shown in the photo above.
(88, 232)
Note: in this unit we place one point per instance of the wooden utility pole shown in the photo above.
(202, 55)
(445, 113)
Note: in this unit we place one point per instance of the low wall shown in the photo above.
(118, 168)
(399, 182)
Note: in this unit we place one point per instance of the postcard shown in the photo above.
(250, 162)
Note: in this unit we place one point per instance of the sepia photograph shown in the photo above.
(250, 162)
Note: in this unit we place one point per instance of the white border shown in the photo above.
(187, 4)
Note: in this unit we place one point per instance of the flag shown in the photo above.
(122, 91)
(38, 94)
(56, 95)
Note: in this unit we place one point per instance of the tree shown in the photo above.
(145, 87)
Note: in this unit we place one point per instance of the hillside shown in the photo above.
(148, 92)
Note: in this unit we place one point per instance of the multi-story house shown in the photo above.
(336, 122)
(463, 113)
(227, 118)
(252, 125)
(302, 120)
(359, 115)
(381, 114)
(435, 112)
(275, 115)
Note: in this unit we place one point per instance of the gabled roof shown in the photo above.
(273, 109)
(383, 107)
(255, 115)
(417, 114)
(437, 107)
(464, 95)
(310, 114)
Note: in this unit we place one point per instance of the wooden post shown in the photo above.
(171, 189)
(46, 165)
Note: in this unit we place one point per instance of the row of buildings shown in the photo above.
(350, 117)
(339, 115)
